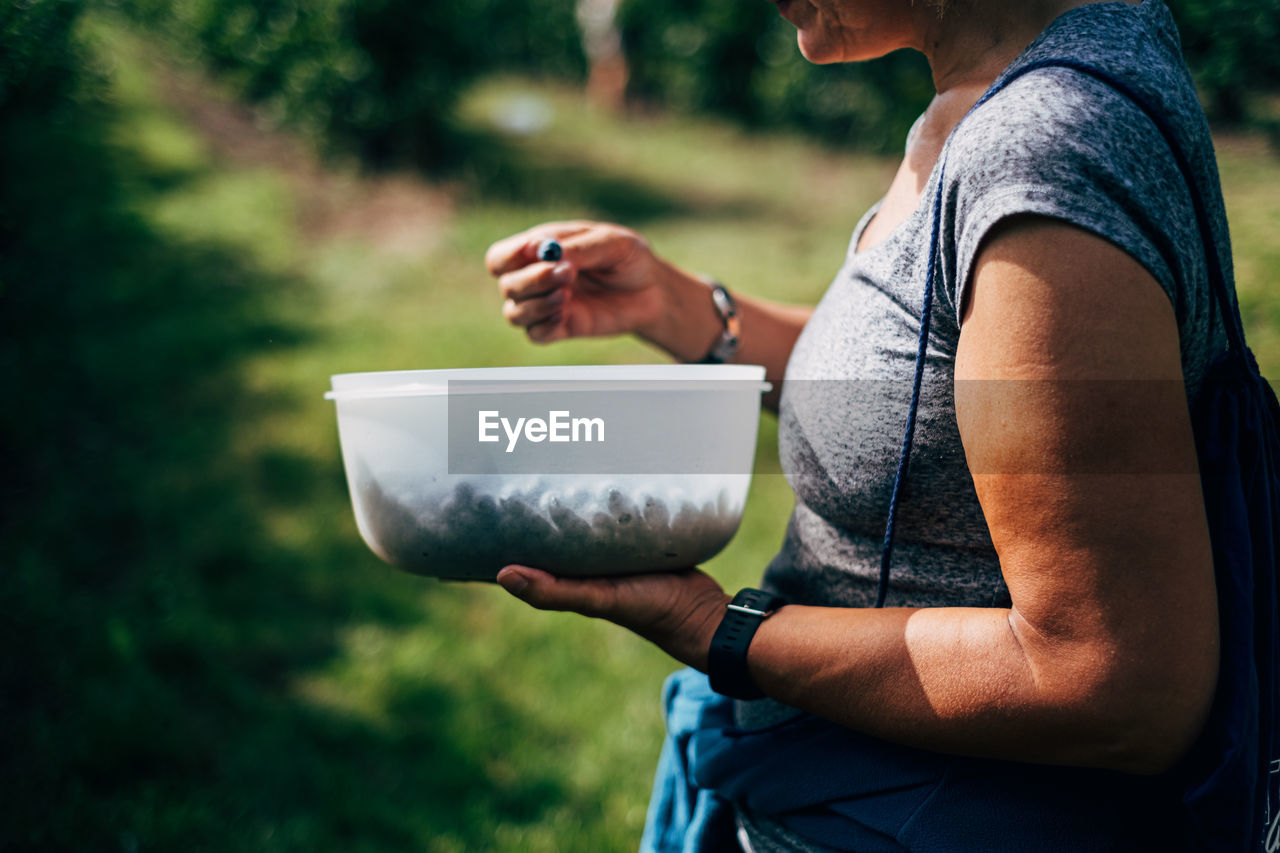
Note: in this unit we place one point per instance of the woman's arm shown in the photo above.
(1070, 405)
(610, 282)
(689, 326)
(1071, 408)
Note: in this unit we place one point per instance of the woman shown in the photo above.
(1051, 645)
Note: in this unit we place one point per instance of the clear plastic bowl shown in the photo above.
(635, 468)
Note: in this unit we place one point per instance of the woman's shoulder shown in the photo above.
(1045, 112)
(1061, 143)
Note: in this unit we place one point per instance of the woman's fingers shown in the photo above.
(589, 290)
(607, 249)
(543, 320)
(521, 249)
(679, 611)
(594, 247)
(552, 329)
(535, 280)
(528, 312)
(588, 596)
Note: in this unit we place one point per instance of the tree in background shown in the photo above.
(375, 77)
(1230, 46)
(741, 60)
(379, 78)
(602, 45)
(37, 55)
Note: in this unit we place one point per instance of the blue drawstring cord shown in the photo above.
(886, 549)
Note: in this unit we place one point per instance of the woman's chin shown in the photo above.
(816, 51)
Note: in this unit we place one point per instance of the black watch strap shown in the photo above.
(727, 660)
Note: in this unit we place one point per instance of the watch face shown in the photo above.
(723, 301)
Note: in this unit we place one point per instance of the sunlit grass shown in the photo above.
(1251, 188)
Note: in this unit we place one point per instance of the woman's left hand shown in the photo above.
(677, 611)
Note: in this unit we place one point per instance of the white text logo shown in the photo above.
(559, 426)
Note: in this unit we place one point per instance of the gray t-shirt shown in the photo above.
(1055, 143)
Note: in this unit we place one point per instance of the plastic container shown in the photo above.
(581, 471)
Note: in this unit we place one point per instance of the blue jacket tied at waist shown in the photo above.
(843, 791)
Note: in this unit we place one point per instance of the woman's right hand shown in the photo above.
(607, 281)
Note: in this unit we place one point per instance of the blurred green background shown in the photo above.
(206, 208)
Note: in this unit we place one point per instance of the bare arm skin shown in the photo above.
(610, 282)
(1108, 656)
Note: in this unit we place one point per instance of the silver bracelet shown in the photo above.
(726, 346)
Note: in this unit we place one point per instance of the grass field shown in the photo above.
(203, 656)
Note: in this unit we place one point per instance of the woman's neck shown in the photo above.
(970, 44)
(974, 40)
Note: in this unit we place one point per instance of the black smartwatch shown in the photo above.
(727, 660)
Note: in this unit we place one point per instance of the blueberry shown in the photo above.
(549, 250)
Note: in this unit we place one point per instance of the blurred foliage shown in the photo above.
(37, 59)
(1230, 46)
(178, 619)
(740, 60)
(375, 77)
(380, 77)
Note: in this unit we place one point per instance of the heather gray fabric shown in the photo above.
(1056, 144)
